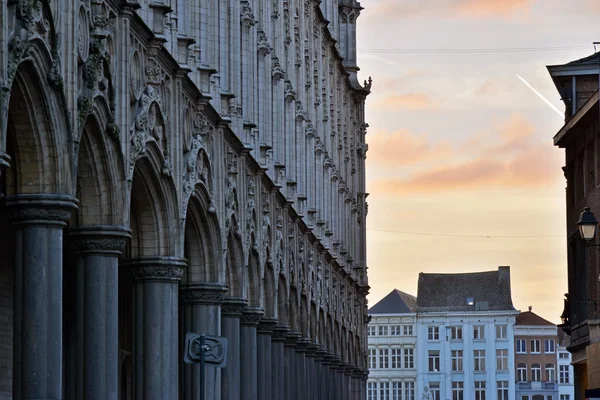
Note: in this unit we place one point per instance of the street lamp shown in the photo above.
(587, 225)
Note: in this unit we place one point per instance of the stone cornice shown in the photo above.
(98, 239)
(280, 333)
(40, 209)
(210, 293)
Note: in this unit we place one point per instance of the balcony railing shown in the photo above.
(537, 385)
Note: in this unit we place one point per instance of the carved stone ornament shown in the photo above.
(43, 209)
(158, 273)
(251, 316)
(280, 332)
(289, 92)
(202, 293)
(198, 171)
(262, 44)
(149, 126)
(247, 17)
(276, 70)
(233, 307)
(98, 239)
(266, 325)
(266, 228)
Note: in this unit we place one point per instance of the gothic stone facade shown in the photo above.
(181, 166)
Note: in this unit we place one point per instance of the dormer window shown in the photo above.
(470, 301)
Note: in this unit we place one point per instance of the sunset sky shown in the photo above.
(460, 149)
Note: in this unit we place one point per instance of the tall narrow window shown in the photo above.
(480, 390)
(536, 372)
(384, 390)
(396, 390)
(479, 360)
(521, 372)
(550, 373)
(383, 330)
(502, 360)
(564, 374)
(396, 358)
(501, 331)
(407, 330)
(372, 358)
(434, 360)
(434, 387)
(456, 333)
(502, 390)
(457, 360)
(521, 346)
(479, 332)
(409, 358)
(371, 390)
(409, 391)
(395, 330)
(535, 345)
(549, 346)
(372, 330)
(458, 391)
(384, 355)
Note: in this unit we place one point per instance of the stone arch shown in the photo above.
(269, 289)
(99, 185)
(235, 266)
(254, 272)
(282, 300)
(294, 311)
(304, 317)
(38, 135)
(154, 213)
(202, 239)
(313, 323)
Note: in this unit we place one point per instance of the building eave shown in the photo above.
(570, 124)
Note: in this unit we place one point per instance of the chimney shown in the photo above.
(504, 274)
(530, 308)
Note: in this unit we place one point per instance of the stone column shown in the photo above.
(249, 353)
(97, 250)
(356, 383)
(231, 312)
(329, 382)
(289, 359)
(347, 381)
(277, 354)
(322, 372)
(39, 220)
(311, 371)
(265, 364)
(302, 381)
(335, 377)
(201, 303)
(156, 319)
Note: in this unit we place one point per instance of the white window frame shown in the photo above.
(457, 360)
(563, 375)
(395, 330)
(434, 388)
(384, 358)
(458, 390)
(479, 360)
(407, 330)
(456, 333)
(433, 361)
(502, 387)
(479, 390)
(409, 391)
(478, 332)
(372, 330)
(502, 359)
(384, 390)
(536, 347)
(550, 372)
(408, 358)
(501, 332)
(549, 346)
(536, 372)
(371, 390)
(395, 358)
(521, 372)
(521, 346)
(396, 390)
(382, 330)
(433, 333)
(373, 359)
(565, 396)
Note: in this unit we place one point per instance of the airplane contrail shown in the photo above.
(552, 106)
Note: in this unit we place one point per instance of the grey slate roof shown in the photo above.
(449, 292)
(396, 302)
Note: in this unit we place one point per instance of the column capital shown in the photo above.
(280, 332)
(40, 209)
(158, 269)
(311, 350)
(321, 354)
(302, 345)
(233, 307)
(251, 316)
(357, 373)
(292, 338)
(98, 239)
(211, 293)
(266, 325)
(335, 362)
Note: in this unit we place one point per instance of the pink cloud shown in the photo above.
(404, 147)
(505, 8)
(409, 101)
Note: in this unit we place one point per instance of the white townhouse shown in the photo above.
(566, 388)
(391, 348)
(465, 337)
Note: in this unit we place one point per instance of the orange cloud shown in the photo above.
(411, 101)
(507, 156)
(389, 9)
(404, 147)
(504, 8)
(488, 88)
